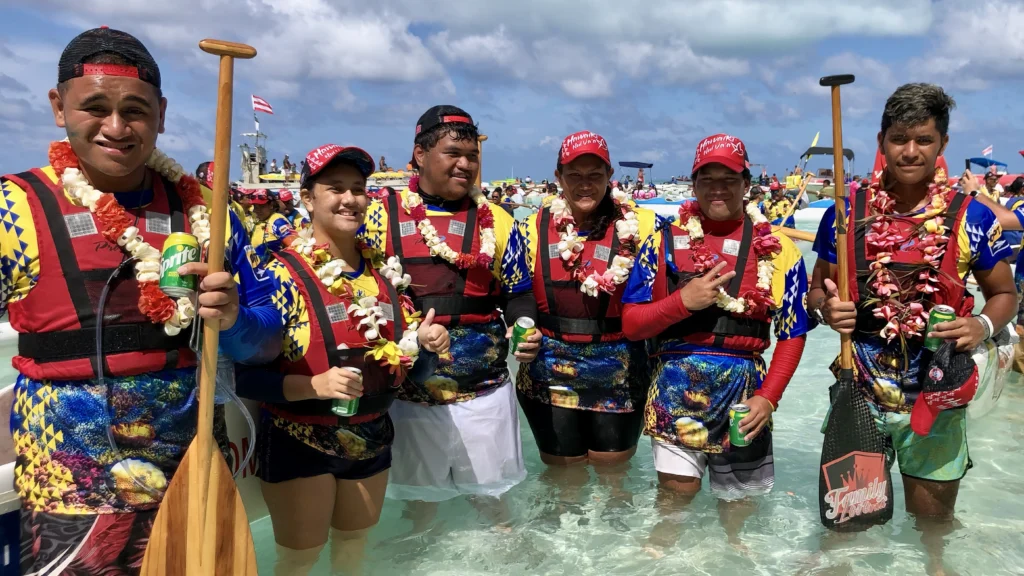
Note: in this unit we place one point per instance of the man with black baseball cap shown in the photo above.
(459, 432)
(98, 435)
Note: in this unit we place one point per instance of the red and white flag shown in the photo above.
(987, 151)
(261, 105)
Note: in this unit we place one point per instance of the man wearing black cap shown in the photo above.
(459, 432)
(98, 435)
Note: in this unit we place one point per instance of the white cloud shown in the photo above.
(977, 43)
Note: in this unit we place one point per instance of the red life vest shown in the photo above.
(713, 326)
(56, 321)
(565, 312)
(457, 296)
(907, 262)
(329, 325)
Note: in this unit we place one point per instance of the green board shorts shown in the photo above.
(941, 456)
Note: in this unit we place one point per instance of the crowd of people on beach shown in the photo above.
(375, 333)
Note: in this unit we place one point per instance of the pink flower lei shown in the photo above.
(904, 313)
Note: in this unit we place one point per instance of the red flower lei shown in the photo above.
(904, 313)
(114, 220)
(765, 245)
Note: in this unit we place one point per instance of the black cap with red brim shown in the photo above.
(103, 40)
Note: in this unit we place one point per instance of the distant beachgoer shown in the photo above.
(273, 166)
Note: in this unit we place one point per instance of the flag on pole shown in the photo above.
(257, 121)
(987, 151)
(261, 105)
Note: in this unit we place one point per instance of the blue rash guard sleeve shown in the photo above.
(256, 336)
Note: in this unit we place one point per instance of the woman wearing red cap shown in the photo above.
(271, 231)
(286, 207)
(350, 333)
(708, 288)
(584, 394)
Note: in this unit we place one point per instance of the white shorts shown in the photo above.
(441, 452)
(737, 474)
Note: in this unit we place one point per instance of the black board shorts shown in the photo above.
(569, 432)
(283, 457)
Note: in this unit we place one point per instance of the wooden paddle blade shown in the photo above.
(226, 540)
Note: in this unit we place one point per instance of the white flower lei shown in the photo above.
(488, 241)
(147, 269)
(765, 267)
(570, 246)
(366, 308)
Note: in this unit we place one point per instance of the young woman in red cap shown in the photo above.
(708, 288)
(286, 207)
(350, 333)
(584, 394)
(271, 232)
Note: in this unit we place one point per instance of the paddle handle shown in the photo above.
(480, 158)
(842, 228)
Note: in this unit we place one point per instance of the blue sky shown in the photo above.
(652, 77)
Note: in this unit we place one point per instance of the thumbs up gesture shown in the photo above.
(841, 316)
(432, 337)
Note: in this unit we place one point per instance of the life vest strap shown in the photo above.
(117, 339)
(720, 323)
(371, 407)
(583, 326)
(456, 305)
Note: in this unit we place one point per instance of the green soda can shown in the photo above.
(346, 407)
(522, 329)
(940, 313)
(179, 249)
(737, 412)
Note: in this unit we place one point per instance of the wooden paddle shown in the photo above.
(201, 528)
(842, 233)
(792, 209)
(480, 158)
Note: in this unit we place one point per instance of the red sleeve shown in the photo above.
(784, 362)
(643, 321)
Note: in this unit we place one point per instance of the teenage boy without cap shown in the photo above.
(88, 505)
(459, 432)
(913, 134)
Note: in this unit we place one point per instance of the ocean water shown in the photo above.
(603, 527)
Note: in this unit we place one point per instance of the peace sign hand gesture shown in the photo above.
(701, 292)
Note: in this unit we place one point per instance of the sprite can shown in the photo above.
(179, 249)
(939, 313)
(347, 407)
(737, 412)
(522, 329)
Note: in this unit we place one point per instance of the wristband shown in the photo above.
(986, 323)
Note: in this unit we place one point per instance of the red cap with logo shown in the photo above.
(284, 195)
(320, 158)
(259, 197)
(950, 382)
(729, 151)
(580, 143)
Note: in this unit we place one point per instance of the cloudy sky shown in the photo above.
(652, 76)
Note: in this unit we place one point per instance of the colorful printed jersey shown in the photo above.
(268, 235)
(356, 441)
(694, 385)
(887, 372)
(468, 370)
(65, 463)
(608, 376)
